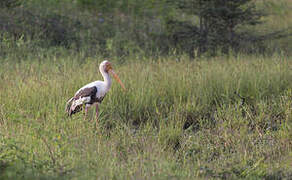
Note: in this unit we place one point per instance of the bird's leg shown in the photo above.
(96, 113)
(86, 112)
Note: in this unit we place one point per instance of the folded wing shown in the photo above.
(83, 96)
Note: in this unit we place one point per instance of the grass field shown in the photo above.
(216, 118)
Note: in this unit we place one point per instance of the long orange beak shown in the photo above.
(117, 78)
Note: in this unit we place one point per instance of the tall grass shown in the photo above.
(219, 118)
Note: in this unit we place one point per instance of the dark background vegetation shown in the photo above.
(141, 27)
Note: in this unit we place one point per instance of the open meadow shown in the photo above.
(226, 117)
(209, 89)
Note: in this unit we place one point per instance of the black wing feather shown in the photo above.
(86, 92)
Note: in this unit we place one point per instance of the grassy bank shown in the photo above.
(217, 118)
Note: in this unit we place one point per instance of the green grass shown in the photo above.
(177, 120)
(220, 118)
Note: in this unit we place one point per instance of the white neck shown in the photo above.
(107, 79)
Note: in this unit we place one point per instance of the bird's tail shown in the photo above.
(68, 105)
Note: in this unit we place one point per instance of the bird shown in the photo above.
(93, 93)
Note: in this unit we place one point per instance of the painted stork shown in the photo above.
(94, 92)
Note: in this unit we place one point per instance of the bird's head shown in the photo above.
(106, 66)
